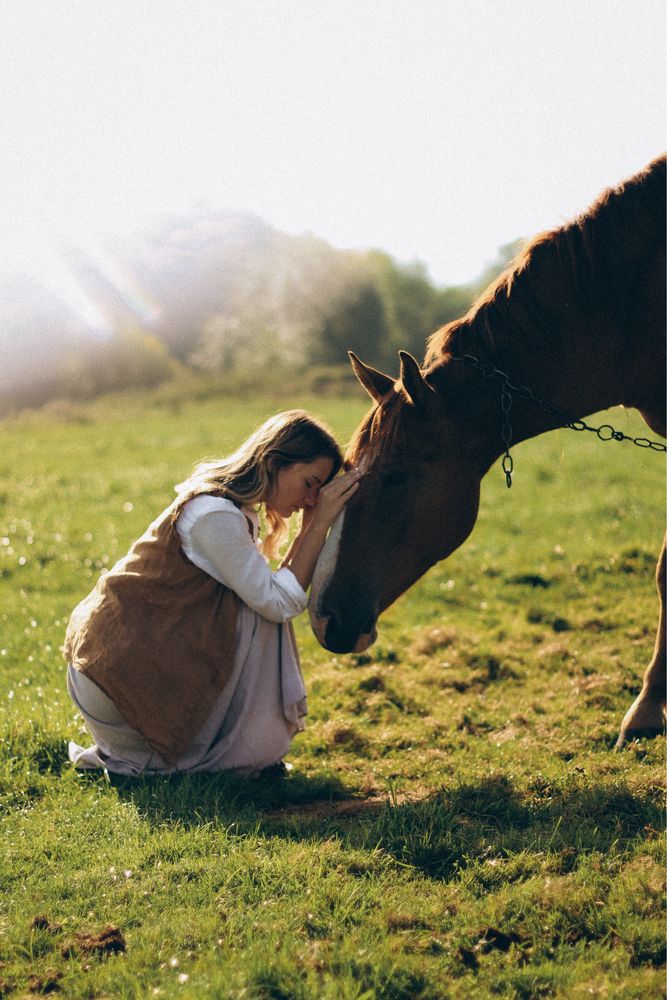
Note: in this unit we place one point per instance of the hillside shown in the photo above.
(214, 291)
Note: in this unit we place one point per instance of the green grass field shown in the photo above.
(457, 823)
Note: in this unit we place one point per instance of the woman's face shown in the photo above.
(297, 486)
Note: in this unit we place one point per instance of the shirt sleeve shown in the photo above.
(221, 545)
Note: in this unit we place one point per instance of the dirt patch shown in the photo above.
(42, 923)
(343, 807)
(504, 735)
(433, 640)
(493, 939)
(48, 983)
(490, 939)
(108, 941)
(340, 735)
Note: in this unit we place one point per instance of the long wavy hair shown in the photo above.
(248, 475)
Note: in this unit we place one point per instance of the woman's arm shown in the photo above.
(219, 543)
(306, 518)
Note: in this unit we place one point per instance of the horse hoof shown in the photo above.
(627, 737)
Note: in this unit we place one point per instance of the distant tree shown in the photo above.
(358, 324)
(410, 302)
(414, 307)
(219, 343)
(219, 292)
(131, 357)
(452, 303)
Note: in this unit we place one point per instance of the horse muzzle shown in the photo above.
(338, 638)
(347, 625)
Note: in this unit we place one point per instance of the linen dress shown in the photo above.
(262, 706)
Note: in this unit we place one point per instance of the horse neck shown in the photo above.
(579, 320)
(573, 372)
(542, 336)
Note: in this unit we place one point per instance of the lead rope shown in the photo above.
(605, 432)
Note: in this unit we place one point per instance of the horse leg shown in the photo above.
(646, 715)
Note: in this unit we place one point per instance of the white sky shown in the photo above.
(433, 129)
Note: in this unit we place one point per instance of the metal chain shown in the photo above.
(605, 432)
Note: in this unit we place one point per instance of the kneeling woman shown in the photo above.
(182, 658)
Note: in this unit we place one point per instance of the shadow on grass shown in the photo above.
(192, 799)
(440, 835)
(452, 830)
(51, 756)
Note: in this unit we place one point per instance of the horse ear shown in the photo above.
(374, 382)
(414, 383)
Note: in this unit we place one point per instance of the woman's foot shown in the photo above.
(275, 771)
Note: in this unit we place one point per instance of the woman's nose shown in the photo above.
(311, 497)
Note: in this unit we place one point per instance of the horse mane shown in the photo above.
(588, 258)
(378, 427)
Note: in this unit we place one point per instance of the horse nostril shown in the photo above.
(344, 627)
(334, 633)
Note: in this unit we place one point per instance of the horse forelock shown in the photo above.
(376, 433)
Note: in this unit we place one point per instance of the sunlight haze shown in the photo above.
(436, 130)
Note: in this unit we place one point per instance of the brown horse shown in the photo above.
(576, 325)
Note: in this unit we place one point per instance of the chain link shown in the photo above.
(507, 392)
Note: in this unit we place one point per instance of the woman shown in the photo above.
(182, 658)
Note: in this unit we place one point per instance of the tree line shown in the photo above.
(218, 293)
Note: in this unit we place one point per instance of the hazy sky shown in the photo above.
(434, 129)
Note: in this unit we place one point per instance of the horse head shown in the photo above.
(416, 503)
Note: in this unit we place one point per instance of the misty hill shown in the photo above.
(213, 291)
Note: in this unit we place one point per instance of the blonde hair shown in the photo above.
(247, 475)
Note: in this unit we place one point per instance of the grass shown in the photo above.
(457, 824)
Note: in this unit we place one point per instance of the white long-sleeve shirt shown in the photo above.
(215, 537)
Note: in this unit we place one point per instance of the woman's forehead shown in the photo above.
(320, 468)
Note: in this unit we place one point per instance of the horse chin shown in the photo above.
(364, 641)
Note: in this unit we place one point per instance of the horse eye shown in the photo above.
(397, 477)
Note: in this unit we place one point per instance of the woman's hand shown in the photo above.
(331, 499)
(315, 523)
